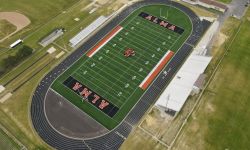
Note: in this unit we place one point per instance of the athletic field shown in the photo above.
(110, 78)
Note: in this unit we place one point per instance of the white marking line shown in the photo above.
(122, 64)
(146, 40)
(152, 32)
(103, 90)
(106, 79)
(105, 42)
(156, 66)
(151, 26)
(139, 46)
(113, 60)
(107, 68)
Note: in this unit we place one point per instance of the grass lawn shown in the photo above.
(65, 20)
(14, 113)
(6, 28)
(225, 1)
(116, 78)
(6, 142)
(53, 14)
(139, 140)
(222, 120)
(18, 69)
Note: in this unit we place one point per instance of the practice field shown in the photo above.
(110, 78)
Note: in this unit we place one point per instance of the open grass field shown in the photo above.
(113, 82)
(222, 120)
(6, 28)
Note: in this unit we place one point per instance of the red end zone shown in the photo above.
(151, 76)
(105, 40)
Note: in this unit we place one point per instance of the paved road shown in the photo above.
(238, 8)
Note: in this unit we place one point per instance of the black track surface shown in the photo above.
(116, 137)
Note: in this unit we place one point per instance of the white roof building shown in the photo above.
(86, 31)
(175, 95)
(16, 43)
(181, 86)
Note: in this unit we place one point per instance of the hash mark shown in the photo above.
(119, 94)
(93, 64)
(127, 85)
(134, 77)
(100, 58)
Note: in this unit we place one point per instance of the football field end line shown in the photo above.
(104, 41)
(154, 72)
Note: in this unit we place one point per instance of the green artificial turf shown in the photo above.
(117, 78)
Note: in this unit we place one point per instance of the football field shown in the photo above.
(110, 78)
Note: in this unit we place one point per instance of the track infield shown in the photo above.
(104, 83)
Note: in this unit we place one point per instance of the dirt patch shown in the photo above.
(219, 40)
(209, 107)
(194, 127)
(17, 19)
(102, 2)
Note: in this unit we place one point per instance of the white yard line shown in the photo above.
(104, 78)
(154, 69)
(98, 87)
(144, 40)
(152, 27)
(110, 38)
(111, 75)
(121, 64)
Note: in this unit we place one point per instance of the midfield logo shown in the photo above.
(129, 52)
(162, 23)
(91, 97)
